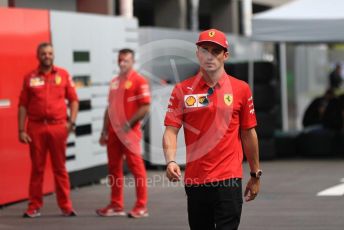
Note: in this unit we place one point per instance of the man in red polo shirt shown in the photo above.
(42, 103)
(217, 113)
(129, 101)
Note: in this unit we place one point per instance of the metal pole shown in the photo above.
(194, 14)
(247, 17)
(126, 8)
(183, 14)
(251, 72)
(284, 87)
(235, 16)
(111, 7)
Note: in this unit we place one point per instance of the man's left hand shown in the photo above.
(70, 127)
(252, 189)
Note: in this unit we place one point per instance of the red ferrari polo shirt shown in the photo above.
(212, 119)
(44, 94)
(127, 94)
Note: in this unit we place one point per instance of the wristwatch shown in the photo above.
(73, 125)
(257, 174)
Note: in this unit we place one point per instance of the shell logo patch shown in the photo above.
(211, 34)
(128, 84)
(190, 101)
(58, 80)
(228, 98)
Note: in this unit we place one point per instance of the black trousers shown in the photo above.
(215, 206)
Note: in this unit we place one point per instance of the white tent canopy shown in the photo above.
(301, 21)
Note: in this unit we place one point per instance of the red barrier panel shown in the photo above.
(20, 33)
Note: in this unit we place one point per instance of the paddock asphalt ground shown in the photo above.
(288, 200)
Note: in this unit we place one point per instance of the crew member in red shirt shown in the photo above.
(129, 101)
(217, 113)
(42, 104)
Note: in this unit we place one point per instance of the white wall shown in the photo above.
(102, 37)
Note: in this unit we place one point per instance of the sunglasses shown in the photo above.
(210, 91)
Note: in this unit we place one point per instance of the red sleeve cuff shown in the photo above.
(73, 97)
(248, 126)
(145, 101)
(174, 124)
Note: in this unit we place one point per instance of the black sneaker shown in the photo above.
(69, 213)
(32, 213)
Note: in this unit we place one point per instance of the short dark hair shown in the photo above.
(127, 51)
(43, 45)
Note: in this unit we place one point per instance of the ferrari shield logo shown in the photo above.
(228, 98)
(211, 34)
(128, 84)
(58, 80)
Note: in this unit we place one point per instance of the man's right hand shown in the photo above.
(103, 139)
(173, 172)
(24, 137)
